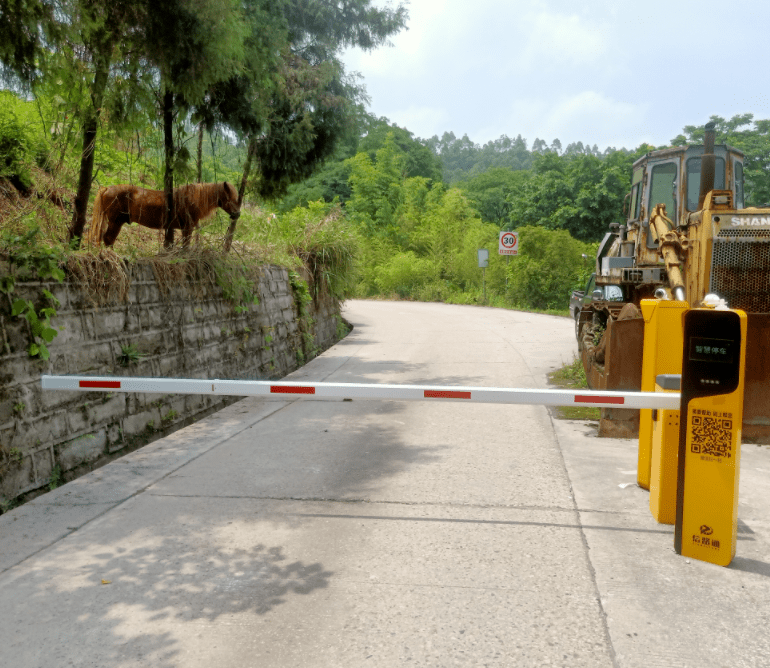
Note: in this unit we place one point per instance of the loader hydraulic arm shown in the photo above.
(672, 247)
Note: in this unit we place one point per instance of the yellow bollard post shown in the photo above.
(648, 308)
(710, 435)
(662, 355)
(665, 451)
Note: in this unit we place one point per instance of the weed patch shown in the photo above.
(572, 376)
(129, 354)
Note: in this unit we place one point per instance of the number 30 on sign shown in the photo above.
(509, 243)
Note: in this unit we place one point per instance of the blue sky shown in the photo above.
(603, 72)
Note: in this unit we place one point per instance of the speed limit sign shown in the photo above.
(509, 243)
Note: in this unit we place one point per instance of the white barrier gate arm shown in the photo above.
(294, 390)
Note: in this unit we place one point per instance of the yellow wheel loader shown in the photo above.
(687, 234)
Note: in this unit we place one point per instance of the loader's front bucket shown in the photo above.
(622, 370)
(756, 394)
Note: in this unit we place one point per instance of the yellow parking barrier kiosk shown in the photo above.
(710, 435)
(665, 452)
(662, 355)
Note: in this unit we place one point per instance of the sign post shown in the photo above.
(483, 264)
(509, 243)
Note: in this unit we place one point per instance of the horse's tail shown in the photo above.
(98, 226)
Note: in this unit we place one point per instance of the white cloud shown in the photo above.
(598, 71)
(432, 26)
(422, 121)
(559, 40)
(589, 116)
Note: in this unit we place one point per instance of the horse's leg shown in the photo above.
(113, 229)
(186, 233)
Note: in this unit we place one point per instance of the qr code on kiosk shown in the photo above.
(712, 436)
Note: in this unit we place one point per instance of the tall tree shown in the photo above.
(39, 36)
(295, 122)
(23, 27)
(419, 160)
(492, 191)
(314, 108)
(462, 159)
(101, 28)
(579, 193)
(193, 44)
(457, 155)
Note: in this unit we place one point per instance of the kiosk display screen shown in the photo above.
(711, 350)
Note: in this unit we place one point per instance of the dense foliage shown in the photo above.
(420, 238)
(581, 194)
(130, 92)
(267, 70)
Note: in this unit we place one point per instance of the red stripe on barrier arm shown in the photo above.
(281, 389)
(112, 384)
(586, 399)
(446, 394)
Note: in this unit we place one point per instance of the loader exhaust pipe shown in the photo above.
(707, 165)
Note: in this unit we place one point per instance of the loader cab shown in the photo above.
(672, 177)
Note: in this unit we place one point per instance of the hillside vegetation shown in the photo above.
(93, 98)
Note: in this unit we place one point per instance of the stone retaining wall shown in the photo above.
(49, 437)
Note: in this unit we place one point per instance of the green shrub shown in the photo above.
(317, 236)
(549, 265)
(21, 145)
(404, 273)
(14, 152)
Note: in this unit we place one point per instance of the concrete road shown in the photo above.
(362, 533)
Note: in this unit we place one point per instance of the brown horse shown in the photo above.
(115, 206)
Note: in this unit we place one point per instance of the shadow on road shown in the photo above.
(106, 595)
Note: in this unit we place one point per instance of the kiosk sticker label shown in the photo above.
(712, 435)
(706, 539)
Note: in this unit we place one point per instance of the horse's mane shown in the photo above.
(95, 231)
(203, 197)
